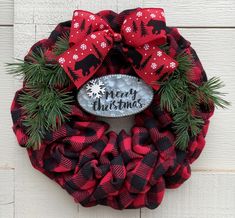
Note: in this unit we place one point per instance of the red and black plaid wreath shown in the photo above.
(97, 166)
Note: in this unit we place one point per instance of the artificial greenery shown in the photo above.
(182, 98)
(44, 99)
(62, 44)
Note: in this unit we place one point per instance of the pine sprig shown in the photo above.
(44, 111)
(36, 70)
(181, 97)
(172, 91)
(169, 95)
(186, 126)
(209, 92)
(45, 101)
(62, 44)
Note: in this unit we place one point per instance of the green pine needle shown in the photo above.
(185, 62)
(209, 92)
(62, 44)
(45, 101)
(180, 97)
(37, 71)
(169, 95)
(185, 125)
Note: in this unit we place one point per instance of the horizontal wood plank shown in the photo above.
(7, 146)
(205, 195)
(106, 212)
(7, 193)
(198, 13)
(6, 12)
(24, 38)
(6, 43)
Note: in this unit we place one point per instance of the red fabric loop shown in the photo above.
(122, 170)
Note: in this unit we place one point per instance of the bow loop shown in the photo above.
(143, 26)
(85, 23)
(91, 38)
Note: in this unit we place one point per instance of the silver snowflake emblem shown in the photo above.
(172, 64)
(101, 26)
(128, 29)
(152, 15)
(76, 25)
(95, 88)
(75, 13)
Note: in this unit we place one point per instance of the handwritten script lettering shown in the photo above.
(115, 95)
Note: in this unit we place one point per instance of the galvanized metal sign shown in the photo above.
(115, 95)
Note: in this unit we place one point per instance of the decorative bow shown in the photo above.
(142, 32)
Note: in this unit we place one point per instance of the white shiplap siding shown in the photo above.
(210, 192)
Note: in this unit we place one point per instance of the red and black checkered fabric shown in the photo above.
(121, 170)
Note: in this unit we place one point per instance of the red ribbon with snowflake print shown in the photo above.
(91, 38)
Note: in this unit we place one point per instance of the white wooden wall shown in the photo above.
(210, 192)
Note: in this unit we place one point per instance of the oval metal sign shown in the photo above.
(115, 95)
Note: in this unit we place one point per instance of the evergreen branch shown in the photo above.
(45, 101)
(186, 126)
(185, 63)
(58, 77)
(180, 97)
(45, 109)
(169, 95)
(38, 71)
(209, 92)
(62, 44)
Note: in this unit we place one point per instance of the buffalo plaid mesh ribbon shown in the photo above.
(121, 170)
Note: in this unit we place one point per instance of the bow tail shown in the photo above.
(82, 60)
(151, 64)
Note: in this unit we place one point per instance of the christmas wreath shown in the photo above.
(73, 147)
